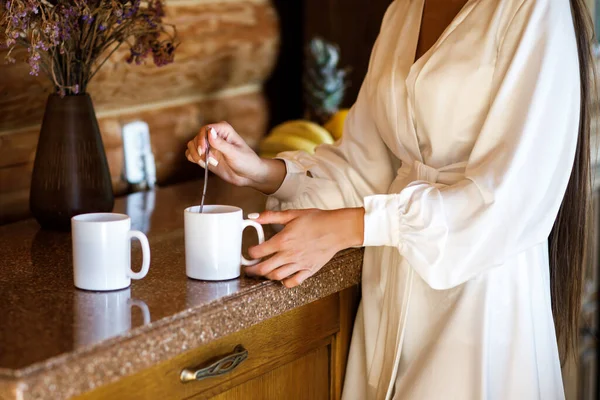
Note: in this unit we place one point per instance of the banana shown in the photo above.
(278, 144)
(335, 125)
(305, 130)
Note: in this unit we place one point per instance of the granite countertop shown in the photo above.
(57, 341)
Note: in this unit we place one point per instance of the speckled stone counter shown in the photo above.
(57, 341)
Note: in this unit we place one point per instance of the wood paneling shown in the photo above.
(14, 205)
(16, 177)
(224, 44)
(171, 127)
(18, 148)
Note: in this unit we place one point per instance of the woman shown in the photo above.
(464, 171)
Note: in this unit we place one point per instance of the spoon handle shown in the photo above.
(205, 173)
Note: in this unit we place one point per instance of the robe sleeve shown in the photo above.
(343, 174)
(517, 173)
(339, 175)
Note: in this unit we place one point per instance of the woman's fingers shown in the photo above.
(275, 217)
(223, 140)
(297, 279)
(189, 157)
(200, 141)
(267, 266)
(197, 148)
(283, 272)
(201, 145)
(219, 143)
(226, 132)
(267, 248)
(192, 154)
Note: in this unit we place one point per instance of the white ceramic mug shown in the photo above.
(213, 242)
(100, 316)
(102, 251)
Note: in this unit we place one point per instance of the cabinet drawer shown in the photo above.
(269, 345)
(307, 378)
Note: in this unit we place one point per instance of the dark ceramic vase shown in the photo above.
(70, 173)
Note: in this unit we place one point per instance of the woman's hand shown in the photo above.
(233, 160)
(308, 241)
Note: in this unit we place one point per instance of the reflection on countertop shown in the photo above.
(51, 332)
(101, 315)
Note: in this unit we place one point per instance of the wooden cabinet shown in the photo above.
(305, 378)
(298, 355)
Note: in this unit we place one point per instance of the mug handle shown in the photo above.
(261, 239)
(143, 307)
(145, 255)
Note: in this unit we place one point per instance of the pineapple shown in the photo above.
(324, 88)
(324, 82)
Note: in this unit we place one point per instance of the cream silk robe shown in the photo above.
(461, 161)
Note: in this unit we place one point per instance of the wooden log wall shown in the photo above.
(228, 49)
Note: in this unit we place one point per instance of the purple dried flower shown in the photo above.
(163, 54)
(66, 32)
(134, 9)
(34, 62)
(150, 23)
(88, 19)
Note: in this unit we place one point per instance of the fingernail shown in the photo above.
(213, 133)
(253, 216)
(213, 161)
(202, 163)
(200, 150)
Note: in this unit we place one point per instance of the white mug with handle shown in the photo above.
(213, 242)
(102, 251)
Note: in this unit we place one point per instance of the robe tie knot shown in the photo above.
(447, 175)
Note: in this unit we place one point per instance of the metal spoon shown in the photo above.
(205, 173)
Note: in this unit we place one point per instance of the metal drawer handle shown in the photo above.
(221, 367)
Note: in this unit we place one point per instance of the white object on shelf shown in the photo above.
(139, 160)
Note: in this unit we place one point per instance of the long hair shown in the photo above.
(568, 241)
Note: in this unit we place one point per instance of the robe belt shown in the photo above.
(448, 175)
